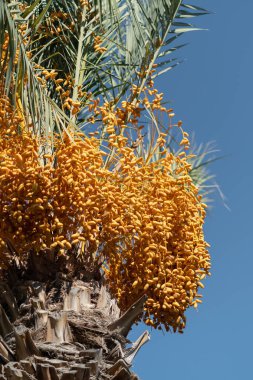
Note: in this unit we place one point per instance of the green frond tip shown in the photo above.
(203, 156)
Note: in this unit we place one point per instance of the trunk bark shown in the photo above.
(64, 329)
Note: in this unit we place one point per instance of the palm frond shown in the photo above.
(135, 34)
(141, 30)
(21, 84)
(203, 155)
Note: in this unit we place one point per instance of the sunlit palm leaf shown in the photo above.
(39, 109)
(146, 27)
(136, 34)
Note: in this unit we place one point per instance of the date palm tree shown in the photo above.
(101, 223)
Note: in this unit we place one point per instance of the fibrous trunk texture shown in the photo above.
(65, 329)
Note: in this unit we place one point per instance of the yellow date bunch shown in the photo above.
(44, 203)
(143, 218)
(162, 252)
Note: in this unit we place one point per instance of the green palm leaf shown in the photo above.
(135, 35)
(40, 110)
(134, 32)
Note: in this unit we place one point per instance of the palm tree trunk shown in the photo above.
(63, 328)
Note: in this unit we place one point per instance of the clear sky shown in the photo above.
(212, 92)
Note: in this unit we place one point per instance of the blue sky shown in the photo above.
(212, 92)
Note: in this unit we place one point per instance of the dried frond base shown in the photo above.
(61, 330)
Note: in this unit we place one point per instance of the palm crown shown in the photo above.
(83, 179)
(101, 200)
